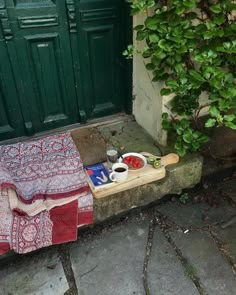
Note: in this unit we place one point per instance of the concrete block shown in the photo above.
(185, 174)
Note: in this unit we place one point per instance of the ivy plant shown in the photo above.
(191, 46)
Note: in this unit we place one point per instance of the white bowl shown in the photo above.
(135, 155)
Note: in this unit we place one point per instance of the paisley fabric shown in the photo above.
(44, 196)
(46, 167)
(6, 219)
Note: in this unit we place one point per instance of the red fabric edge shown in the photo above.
(85, 218)
(4, 248)
(65, 220)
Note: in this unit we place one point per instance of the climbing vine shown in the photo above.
(191, 46)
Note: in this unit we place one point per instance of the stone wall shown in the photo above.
(148, 104)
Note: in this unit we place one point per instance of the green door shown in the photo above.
(101, 40)
(39, 49)
(11, 120)
(60, 63)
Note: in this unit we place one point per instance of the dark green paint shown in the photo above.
(61, 63)
(101, 44)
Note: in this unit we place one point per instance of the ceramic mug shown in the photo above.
(119, 172)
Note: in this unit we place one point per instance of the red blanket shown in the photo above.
(43, 171)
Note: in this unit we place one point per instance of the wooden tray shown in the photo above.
(136, 178)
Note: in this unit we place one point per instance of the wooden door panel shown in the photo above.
(28, 3)
(98, 71)
(41, 38)
(100, 51)
(48, 77)
(11, 122)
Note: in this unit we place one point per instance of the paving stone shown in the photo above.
(37, 274)
(193, 214)
(211, 267)
(229, 187)
(228, 237)
(113, 263)
(165, 272)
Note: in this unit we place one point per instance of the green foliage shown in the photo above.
(184, 198)
(191, 46)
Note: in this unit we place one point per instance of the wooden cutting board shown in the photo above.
(137, 178)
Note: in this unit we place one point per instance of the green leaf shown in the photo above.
(210, 123)
(196, 75)
(153, 38)
(139, 27)
(140, 35)
(184, 123)
(229, 118)
(231, 125)
(207, 35)
(189, 34)
(190, 4)
(180, 9)
(160, 76)
(187, 137)
(179, 68)
(178, 144)
(179, 130)
(151, 23)
(216, 8)
(203, 138)
(165, 116)
(219, 19)
(174, 20)
(195, 145)
(165, 91)
(220, 33)
(232, 90)
(150, 66)
(181, 152)
(224, 104)
(214, 111)
(166, 125)
(172, 83)
(225, 93)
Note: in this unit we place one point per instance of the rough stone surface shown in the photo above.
(229, 188)
(35, 274)
(112, 264)
(186, 173)
(129, 137)
(91, 145)
(166, 275)
(228, 238)
(193, 215)
(211, 267)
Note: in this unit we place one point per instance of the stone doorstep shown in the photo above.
(129, 136)
(185, 174)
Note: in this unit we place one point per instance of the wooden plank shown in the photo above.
(136, 178)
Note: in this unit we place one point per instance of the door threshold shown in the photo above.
(108, 120)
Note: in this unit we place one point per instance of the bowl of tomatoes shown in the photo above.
(134, 161)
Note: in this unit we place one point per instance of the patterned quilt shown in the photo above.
(44, 195)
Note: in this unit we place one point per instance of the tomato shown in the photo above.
(133, 162)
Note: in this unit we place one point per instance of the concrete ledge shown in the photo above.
(187, 173)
